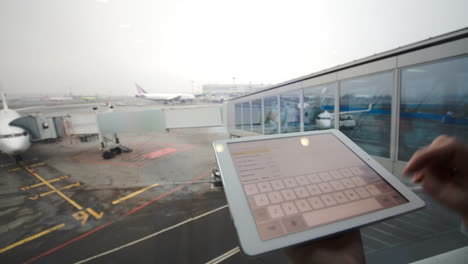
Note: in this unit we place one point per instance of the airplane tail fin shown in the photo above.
(140, 90)
(5, 105)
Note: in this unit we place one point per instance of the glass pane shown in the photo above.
(365, 112)
(319, 104)
(434, 101)
(257, 116)
(270, 115)
(290, 112)
(246, 116)
(238, 115)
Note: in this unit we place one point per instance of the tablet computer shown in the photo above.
(291, 188)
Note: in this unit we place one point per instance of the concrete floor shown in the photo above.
(115, 213)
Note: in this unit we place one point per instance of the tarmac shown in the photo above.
(157, 204)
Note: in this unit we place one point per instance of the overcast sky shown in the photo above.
(104, 46)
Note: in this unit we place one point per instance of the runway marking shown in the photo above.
(15, 169)
(63, 188)
(109, 223)
(224, 256)
(45, 232)
(160, 152)
(36, 165)
(82, 216)
(166, 194)
(14, 163)
(134, 194)
(151, 235)
(40, 184)
(76, 205)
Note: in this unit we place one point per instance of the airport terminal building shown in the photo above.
(390, 104)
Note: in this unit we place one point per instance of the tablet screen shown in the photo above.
(296, 183)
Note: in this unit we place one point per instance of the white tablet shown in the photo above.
(290, 188)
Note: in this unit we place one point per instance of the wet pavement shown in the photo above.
(157, 205)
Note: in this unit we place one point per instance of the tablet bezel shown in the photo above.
(246, 227)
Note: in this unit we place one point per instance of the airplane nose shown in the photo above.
(15, 146)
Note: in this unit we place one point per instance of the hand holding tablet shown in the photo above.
(290, 188)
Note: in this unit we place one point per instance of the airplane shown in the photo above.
(326, 119)
(13, 140)
(165, 97)
(58, 99)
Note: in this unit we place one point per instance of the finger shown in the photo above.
(422, 158)
(418, 177)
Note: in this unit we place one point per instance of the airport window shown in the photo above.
(257, 116)
(270, 119)
(434, 101)
(246, 116)
(365, 112)
(238, 115)
(319, 105)
(290, 112)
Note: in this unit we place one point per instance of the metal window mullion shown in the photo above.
(301, 112)
(251, 116)
(279, 113)
(337, 106)
(242, 116)
(263, 116)
(396, 116)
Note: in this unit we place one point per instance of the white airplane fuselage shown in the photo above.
(168, 97)
(13, 140)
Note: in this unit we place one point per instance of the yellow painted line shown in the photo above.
(8, 164)
(134, 194)
(63, 188)
(15, 169)
(77, 206)
(40, 184)
(45, 232)
(36, 165)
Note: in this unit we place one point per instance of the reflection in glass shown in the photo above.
(238, 115)
(246, 116)
(319, 105)
(434, 101)
(365, 112)
(290, 112)
(270, 115)
(257, 116)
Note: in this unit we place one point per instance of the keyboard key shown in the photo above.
(342, 211)
(370, 177)
(325, 187)
(289, 208)
(352, 195)
(336, 174)
(290, 182)
(261, 215)
(316, 202)
(356, 171)
(250, 189)
(325, 176)
(373, 190)
(288, 195)
(346, 172)
(340, 197)
(275, 197)
(328, 200)
(348, 183)
(294, 223)
(303, 205)
(358, 181)
(302, 180)
(337, 186)
(261, 200)
(301, 192)
(270, 230)
(313, 189)
(275, 211)
(264, 187)
(363, 193)
(277, 185)
(314, 178)
(383, 187)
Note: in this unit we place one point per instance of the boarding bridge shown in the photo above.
(42, 127)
